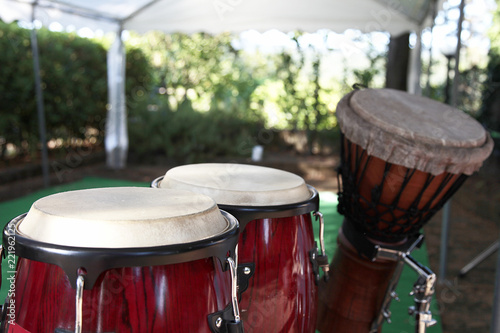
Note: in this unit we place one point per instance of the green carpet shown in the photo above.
(401, 321)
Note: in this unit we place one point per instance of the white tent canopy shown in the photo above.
(212, 16)
(215, 16)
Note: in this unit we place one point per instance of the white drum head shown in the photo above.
(239, 184)
(123, 217)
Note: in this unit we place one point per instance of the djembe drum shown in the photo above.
(402, 158)
(124, 260)
(276, 242)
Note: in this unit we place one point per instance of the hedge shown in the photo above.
(74, 83)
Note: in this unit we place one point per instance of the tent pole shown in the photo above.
(116, 138)
(415, 68)
(454, 91)
(39, 101)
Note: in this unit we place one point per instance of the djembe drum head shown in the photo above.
(402, 157)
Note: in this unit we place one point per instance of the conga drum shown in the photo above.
(123, 260)
(402, 158)
(274, 210)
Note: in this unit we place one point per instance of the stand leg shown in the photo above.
(444, 242)
(495, 317)
(480, 257)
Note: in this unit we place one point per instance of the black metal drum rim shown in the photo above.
(97, 260)
(245, 213)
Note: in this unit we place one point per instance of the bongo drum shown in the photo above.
(402, 158)
(274, 210)
(124, 260)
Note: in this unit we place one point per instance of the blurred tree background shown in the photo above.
(490, 108)
(197, 97)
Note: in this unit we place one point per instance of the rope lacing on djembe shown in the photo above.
(382, 221)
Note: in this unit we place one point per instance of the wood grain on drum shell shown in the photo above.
(352, 298)
(399, 200)
(282, 295)
(170, 298)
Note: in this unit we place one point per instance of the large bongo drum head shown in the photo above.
(125, 217)
(147, 257)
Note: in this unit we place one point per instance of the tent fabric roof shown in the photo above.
(214, 16)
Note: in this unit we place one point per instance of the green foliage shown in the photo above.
(16, 85)
(295, 96)
(74, 83)
(201, 68)
(188, 136)
(73, 72)
(303, 98)
(138, 77)
(372, 74)
(210, 99)
(201, 107)
(490, 112)
(471, 83)
(494, 33)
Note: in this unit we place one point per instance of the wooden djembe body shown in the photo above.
(402, 158)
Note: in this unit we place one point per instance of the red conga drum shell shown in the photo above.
(167, 278)
(274, 209)
(402, 158)
(279, 247)
(168, 298)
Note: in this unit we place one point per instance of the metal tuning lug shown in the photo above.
(80, 283)
(228, 320)
(313, 258)
(321, 257)
(245, 272)
(318, 261)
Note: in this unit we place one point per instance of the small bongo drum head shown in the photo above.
(239, 184)
(125, 217)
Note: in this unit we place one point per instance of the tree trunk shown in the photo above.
(397, 62)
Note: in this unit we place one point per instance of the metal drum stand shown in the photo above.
(423, 289)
